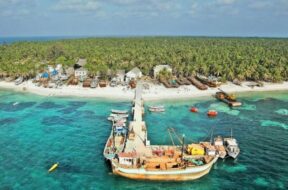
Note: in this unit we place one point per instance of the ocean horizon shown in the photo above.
(14, 39)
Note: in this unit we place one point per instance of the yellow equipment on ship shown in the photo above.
(53, 167)
(195, 149)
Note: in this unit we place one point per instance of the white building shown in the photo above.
(157, 69)
(81, 73)
(134, 74)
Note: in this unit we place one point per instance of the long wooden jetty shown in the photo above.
(137, 137)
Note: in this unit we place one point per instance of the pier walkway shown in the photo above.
(137, 137)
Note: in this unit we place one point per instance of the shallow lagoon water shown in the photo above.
(36, 132)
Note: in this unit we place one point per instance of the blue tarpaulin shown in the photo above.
(45, 75)
(54, 72)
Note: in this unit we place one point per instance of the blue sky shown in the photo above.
(144, 17)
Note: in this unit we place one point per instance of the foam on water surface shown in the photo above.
(248, 107)
(260, 181)
(235, 169)
(282, 112)
(269, 123)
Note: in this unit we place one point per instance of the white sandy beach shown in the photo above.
(155, 92)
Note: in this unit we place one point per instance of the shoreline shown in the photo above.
(154, 93)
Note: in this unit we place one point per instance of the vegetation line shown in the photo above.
(230, 58)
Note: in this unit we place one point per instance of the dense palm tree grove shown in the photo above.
(229, 58)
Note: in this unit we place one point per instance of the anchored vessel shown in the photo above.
(229, 99)
(156, 108)
(137, 159)
(116, 141)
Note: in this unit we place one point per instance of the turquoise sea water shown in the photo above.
(36, 132)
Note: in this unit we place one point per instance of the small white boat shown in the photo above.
(156, 108)
(116, 119)
(19, 80)
(119, 111)
(15, 103)
(119, 115)
(231, 147)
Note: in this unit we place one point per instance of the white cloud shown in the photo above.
(260, 4)
(77, 5)
(225, 2)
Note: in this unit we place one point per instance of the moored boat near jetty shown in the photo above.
(119, 111)
(116, 141)
(156, 108)
(229, 99)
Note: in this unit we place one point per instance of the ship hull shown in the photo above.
(187, 174)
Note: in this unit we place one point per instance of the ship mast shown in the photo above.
(113, 131)
(212, 130)
(183, 142)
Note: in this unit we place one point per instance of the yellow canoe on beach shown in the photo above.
(53, 167)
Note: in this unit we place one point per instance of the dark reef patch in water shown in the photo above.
(77, 104)
(6, 121)
(67, 110)
(85, 113)
(72, 107)
(49, 105)
(56, 120)
(11, 107)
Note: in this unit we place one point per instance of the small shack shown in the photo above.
(134, 74)
(81, 73)
(127, 158)
(157, 69)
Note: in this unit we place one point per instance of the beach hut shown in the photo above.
(81, 73)
(157, 69)
(134, 74)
